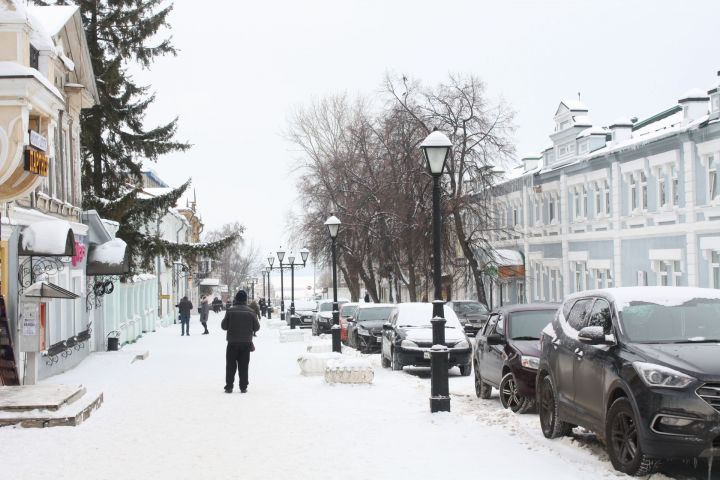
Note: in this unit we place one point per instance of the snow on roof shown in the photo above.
(592, 131)
(621, 122)
(532, 156)
(12, 69)
(109, 253)
(582, 120)
(575, 105)
(506, 258)
(53, 18)
(48, 237)
(694, 94)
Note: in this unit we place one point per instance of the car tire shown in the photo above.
(482, 389)
(465, 370)
(551, 425)
(384, 361)
(395, 362)
(509, 396)
(623, 440)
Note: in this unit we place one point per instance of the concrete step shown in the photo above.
(47, 406)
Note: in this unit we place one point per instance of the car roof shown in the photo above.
(524, 307)
(363, 306)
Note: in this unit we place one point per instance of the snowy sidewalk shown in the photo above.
(167, 417)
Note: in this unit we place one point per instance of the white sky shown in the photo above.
(243, 66)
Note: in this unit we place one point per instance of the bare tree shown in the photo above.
(237, 262)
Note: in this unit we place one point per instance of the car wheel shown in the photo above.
(552, 426)
(384, 361)
(465, 370)
(395, 363)
(623, 440)
(509, 396)
(482, 389)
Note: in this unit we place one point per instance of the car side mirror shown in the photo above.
(593, 336)
(495, 339)
(314, 310)
(387, 326)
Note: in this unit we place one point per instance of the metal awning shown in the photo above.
(48, 238)
(48, 290)
(109, 258)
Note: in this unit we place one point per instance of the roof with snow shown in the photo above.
(694, 94)
(574, 105)
(53, 18)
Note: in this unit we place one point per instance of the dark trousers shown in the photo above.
(237, 356)
(185, 324)
(204, 324)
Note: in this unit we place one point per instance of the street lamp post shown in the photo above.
(436, 149)
(271, 260)
(333, 225)
(304, 255)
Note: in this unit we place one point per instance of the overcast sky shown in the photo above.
(244, 65)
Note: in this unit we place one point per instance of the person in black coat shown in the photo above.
(184, 307)
(217, 305)
(241, 323)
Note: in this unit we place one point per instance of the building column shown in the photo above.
(564, 231)
(691, 251)
(615, 184)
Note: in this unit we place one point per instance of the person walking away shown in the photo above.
(263, 306)
(184, 307)
(256, 308)
(204, 313)
(217, 305)
(367, 297)
(241, 323)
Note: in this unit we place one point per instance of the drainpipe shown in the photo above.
(159, 281)
(177, 241)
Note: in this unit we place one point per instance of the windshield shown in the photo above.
(348, 310)
(528, 325)
(694, 321)
(374, 314)
(469, 308)
(304, 305)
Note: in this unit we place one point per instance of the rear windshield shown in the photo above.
(469, 308)
(374, 314)
(695, 321)
(528, 325)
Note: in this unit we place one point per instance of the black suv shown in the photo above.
(472, 315)
(507, 353)
(639, 366)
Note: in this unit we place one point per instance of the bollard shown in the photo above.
(335, 332)
(439, 389)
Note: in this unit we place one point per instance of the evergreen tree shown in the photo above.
(115, 139)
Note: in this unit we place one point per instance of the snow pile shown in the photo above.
(319, 346)
(349, 370)
(288, 335)
(48, 237)
(315, 363)
(110, 253)
(276, 323)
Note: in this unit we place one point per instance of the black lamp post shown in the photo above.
(333, 225)
(269, 291)
(291, 258)
(436, 149)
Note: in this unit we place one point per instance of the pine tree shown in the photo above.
(115, 140)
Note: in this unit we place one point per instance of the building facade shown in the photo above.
(634, 203)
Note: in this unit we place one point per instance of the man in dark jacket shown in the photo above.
(241, 322)
(184, 307)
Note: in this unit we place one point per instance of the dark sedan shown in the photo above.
(407, 338)
(639, 367)
(304, 310)
(507, 353)
(472, 315)
(365, 327)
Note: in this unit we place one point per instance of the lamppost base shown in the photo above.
(439, 404)
(282, 315)
(294, 321)
(335, 332)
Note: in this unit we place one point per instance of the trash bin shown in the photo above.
(113, 344)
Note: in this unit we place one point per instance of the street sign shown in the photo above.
(164, 296)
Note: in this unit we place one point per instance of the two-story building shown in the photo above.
(633, 203)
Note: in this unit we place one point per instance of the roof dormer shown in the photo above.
(714, 94)
(571, 113)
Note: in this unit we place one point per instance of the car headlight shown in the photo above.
(658, 376)
(408, 344)
(529, 362)
(462, 344)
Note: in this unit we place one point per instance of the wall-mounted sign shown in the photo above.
(164, 296)
(79, 253)
(36, 162)
(38, 141)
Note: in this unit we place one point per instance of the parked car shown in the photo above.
(304, 310)
(407, 338)
(346, 312)
(507, 353)
(472, 314)
(638, 366)
(322, 321)
(366, 326)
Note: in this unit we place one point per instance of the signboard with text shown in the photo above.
(36, 162)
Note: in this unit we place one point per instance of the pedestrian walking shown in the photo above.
(217, 305)
(184, 307)
(241, 323)
(263, 306)
(367, 297)
(204, 313)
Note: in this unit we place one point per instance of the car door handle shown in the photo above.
(579, 353)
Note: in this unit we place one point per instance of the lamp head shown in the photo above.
(304, 254)
(436, 148)
(333, 224)
(271, 260)
(281, 254)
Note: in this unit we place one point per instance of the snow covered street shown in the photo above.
(167, 417)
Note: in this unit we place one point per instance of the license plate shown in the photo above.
(426, 355)
(379, 339)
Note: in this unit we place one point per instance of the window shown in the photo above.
(607, 198)
(515, 216)
(538, 281)
(581, 276)
(520, 292)
(715, 267)
(598, 200)
(551, 210)
(675, 189)
(490, 326)
(538, 210)
(662, 193)
(600, 315)
(638, 191)
(642, 278)
(500, 327)
(579, 313)
(585, 201)
(576, 202)
(34, 58)
(669, 273)
(712, 177)
(643, 189)
(603, 278)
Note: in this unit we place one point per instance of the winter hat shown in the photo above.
(241, 296)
